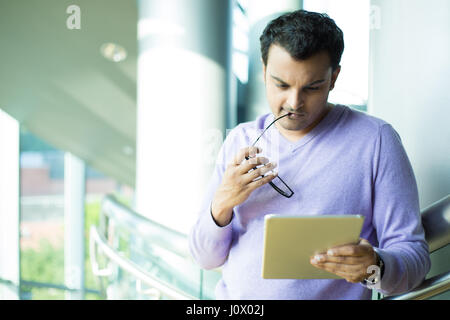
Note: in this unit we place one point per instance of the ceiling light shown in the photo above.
(113, 52)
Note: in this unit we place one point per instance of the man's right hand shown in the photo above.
(239, 181)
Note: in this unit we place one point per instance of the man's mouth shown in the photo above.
(292, 115)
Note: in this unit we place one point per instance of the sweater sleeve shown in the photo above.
(209, 243)
(396, 217)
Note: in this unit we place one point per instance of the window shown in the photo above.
(353, 17)
(240, 42)
(42, 219)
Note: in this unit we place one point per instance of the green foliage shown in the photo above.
(92, 216)
(43, 265)
(46, 264)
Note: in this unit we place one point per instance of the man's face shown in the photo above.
(298, 87)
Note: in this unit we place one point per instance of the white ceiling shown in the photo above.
(56, 83)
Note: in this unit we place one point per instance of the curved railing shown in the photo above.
(154, 260)
(158, 288)
(436, 223)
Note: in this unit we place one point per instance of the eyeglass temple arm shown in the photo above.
(268, 128)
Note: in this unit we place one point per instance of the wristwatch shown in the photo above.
(372, 280)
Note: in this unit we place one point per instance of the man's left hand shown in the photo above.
(348, 261)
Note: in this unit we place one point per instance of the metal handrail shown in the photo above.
(428, 289)
(133, 268)
(436, 223)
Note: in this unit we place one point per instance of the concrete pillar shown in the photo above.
(9, 208)
(260, 13)
(184, 49)
(74, 237)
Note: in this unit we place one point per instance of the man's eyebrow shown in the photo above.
(316, 82)
(278, 79)
(311, 84)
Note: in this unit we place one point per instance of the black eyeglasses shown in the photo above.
(277, 183)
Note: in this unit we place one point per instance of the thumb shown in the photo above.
(364, 242)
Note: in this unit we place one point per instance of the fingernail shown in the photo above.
(330, 253)
(318, 258)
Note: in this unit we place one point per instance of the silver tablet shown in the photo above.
(290, 242)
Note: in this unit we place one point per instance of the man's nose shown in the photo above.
(295, 100)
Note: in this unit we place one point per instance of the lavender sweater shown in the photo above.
(350, 163)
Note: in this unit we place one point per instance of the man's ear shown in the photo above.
(334, 77)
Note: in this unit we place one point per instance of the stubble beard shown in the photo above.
(301, 123)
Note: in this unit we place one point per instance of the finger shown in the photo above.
(349, 277)
(363, 241)
(252, 164)
(260, 182)
(351, 273)
(257, 173)
(245, 152)
(261, 171)
(349, 250)
(321, 258)
(340, 269)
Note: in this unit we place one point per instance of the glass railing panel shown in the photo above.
(158, 251)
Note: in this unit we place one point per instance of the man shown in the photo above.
(335, 161)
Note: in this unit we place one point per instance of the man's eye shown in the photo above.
(313, 88)
(283, 86)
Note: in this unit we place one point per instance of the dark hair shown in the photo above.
(304, 34)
